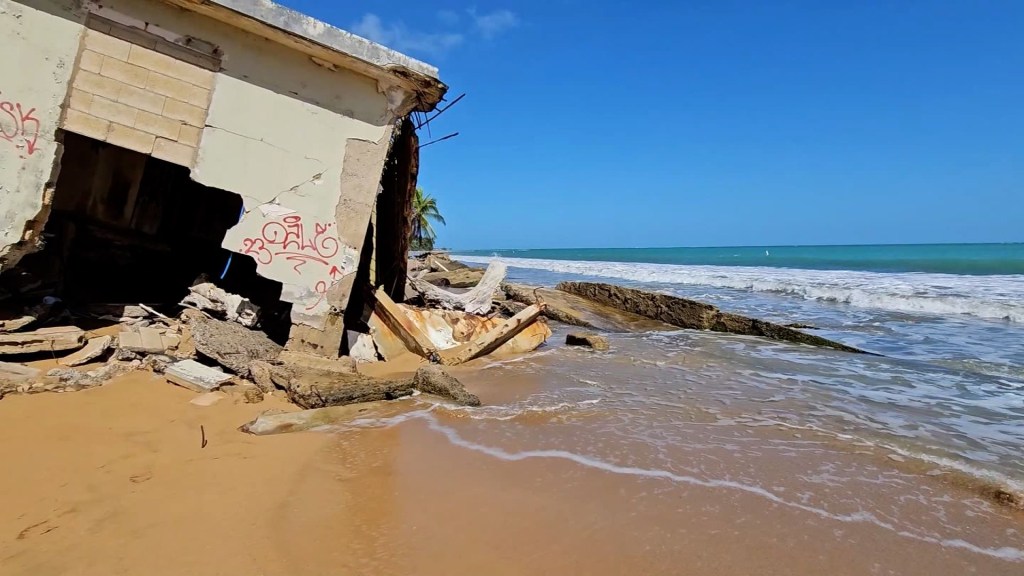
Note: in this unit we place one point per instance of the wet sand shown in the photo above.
(114, 481)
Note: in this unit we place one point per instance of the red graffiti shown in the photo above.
(18, 126)
(290, 239)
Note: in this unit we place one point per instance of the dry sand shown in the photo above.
(114, 481)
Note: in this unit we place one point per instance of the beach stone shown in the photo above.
(434, 380)
(590, 340)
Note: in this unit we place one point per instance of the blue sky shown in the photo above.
(621, 124)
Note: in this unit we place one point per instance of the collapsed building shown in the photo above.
(150, 142)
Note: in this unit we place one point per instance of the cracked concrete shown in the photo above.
(299, 123)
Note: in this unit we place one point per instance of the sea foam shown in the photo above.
(990, 297)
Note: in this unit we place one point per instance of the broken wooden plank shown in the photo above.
(93, 349)
(492, 340)
(42, 340)
(399, 323)
(478, 300)
(195, 376)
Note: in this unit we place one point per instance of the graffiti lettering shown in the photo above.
(289, 239)
(18, 126)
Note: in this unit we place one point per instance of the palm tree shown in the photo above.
(424, 209)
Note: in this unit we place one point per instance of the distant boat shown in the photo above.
(766, 253)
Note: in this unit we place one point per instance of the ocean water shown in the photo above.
(948, 320)
(704, 453)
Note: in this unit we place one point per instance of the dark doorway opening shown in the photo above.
(127, 228)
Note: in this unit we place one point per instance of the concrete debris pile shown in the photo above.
(212, 344)
(213, 347)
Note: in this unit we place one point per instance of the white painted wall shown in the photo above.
(41, 40)
(276, 134)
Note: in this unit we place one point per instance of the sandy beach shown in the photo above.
(114, 480)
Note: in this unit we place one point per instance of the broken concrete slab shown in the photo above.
(15, 324)
(344, 364)
(362, 348)
(146, 340)
(691, 314)
(576, 311)
(74, 379)
(594, 341)
(93, 349)
(280, 423)
(43, 340)
(207, 296)
(11, 372)
(261, 374)
(434, 380)
(230, 344)
(195, 376)
(312, 388)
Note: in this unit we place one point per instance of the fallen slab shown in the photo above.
(281, 423)
(576, 311)
(13, 372)
(42, 340)
(691, 314)
(207, 296)
(434, 380)
(231, 345)
(195, 376)
(594, 341)
(93, 349)
(312, 388)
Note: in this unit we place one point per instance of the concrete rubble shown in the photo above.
(195, 376)
(212, 347)
(594, 341)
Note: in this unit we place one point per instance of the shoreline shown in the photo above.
(675, 448)
(418, 486)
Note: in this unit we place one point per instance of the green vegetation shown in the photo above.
(424, 210)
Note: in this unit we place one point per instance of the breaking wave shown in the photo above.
(990, 297)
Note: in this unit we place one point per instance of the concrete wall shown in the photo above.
(302, 141)
(137, 98)
(41, 40)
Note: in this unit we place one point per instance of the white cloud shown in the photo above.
(449, 17)
(490, 25)
(400, 38)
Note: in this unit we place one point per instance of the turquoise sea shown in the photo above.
(975, 259)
